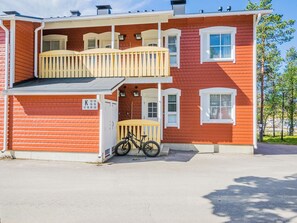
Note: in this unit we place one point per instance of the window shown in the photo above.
(172, 41)
(220, 46)
(102, 40)
(152, 110)
(150, 37)
(54, 42)
(217, 105)
(152, 44)
(172, 107)
(220, 106)
(172, 46)
(217, 44)
(92, 44)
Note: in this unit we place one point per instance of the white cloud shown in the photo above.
(48, 8)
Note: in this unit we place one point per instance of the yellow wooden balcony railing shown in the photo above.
(133, 62)
(138, 128)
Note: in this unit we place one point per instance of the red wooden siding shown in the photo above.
(113, 97)
(24, 50)
(53, 123)
(193, 76)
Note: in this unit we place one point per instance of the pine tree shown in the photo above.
(290, 82)
(271, 31)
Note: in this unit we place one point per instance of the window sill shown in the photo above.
(218, 122)
(171, 126)
(219, 60)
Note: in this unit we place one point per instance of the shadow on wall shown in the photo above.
(257, 199)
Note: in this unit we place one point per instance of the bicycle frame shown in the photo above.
(131, 137)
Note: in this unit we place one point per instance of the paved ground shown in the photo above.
(183, 187)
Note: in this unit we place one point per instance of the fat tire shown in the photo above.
(149, 154)
(117, 148)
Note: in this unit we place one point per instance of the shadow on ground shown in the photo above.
(173, 156)
(274, 149)
(257, 199)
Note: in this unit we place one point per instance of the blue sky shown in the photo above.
(47, 8)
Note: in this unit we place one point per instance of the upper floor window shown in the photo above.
(217, 44)
(171, 40)
(54, 42)
(102, 40)
(217, 105)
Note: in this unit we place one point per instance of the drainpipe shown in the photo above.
(36, 48)
(256, 22)
(100, 100)
(5, 121)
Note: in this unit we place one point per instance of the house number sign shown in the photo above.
(89, 104)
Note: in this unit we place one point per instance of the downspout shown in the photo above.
(256, 22)
(5, 121)
(100, 100)
(36, 48)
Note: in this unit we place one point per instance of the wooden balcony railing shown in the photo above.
(138, 128)
(134, 62)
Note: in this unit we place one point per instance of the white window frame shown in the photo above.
(177, 33)
(151, 37)
(101, 38)
(165, 93)
(205, 43)
(205, 105)
(55, 37)
(87, 37)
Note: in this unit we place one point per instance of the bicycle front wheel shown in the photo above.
(123, 148)
(151, 149)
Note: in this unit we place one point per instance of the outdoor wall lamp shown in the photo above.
(136, 92)
(122, 37)
(122, 94)
(138, 36)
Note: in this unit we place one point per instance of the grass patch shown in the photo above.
(288, 140)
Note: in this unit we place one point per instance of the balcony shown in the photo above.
(104, 62)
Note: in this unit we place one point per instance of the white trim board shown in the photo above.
(57, 156)
(212, 148)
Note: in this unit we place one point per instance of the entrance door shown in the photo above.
(150, 104)
(110, 122)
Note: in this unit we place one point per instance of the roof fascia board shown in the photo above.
(58, 93)
(216, 14)
(98, 23)
(110, 16)
(106, 22)
(20, 18)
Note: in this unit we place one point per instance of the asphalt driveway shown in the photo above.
(183, 187)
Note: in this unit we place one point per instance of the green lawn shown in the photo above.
(288, 140)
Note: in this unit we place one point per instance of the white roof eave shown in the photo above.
(220, 14)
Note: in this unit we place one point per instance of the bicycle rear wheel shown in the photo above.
(123, 148)
(151, 149)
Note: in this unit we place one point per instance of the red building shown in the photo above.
(73, 85)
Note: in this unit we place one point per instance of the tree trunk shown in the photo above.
(273, 125)
(283, 111)
(291, 113)
(262, 95)
(273, 109)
